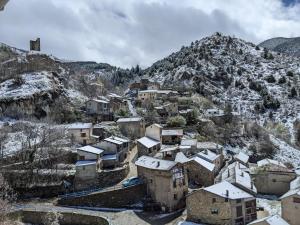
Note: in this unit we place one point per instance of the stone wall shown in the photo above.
(110, 199)
(67, 218)
(107, 178)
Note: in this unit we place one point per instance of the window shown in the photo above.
(238, 201)
(226, 200)
(274, 180)
(239, 211)
(213, 200)
(296, 200)
(83, 168)
(174, 183)
(175, 196)
(214, 211)
(83, 134)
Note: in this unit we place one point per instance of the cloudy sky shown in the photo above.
(129, 32)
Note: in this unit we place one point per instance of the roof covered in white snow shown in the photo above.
(181, 158)
(208, 145)
(242, 157)
(154, 163)
(271, 220)
(148, 142)
(208, 155)
(116, 140)
(85, 163)
(80, 126)
(129, 119)
(204, 163)
(188, 142)
(224, 188)
(172, 132)
(90, 149)
(266, 162)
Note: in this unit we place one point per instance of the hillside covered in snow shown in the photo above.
(261, 85)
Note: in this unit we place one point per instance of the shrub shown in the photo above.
(282, 80)
(270, 79)
(290, 74)
(176, 121)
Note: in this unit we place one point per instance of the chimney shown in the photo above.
(227, 193)
(242, 174)
(251, 185)
(158, 164)
(239, 165)
(205, 152)
(228, 172)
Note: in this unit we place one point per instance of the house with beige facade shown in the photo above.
(150, 144)
(166, 182)
(80, 132)
(133, 127)
(290, 206)
(221, 204)
(272, 177)
(154, 131)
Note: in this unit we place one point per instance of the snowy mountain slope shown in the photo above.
(261, 85)
(289, 46)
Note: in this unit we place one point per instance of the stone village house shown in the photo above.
(115, 151)
(222, 203)
(290, 206)
(81, 132)
(272, 177)
(150, 144)
(133, 127)
(166, 182)
(171, 136)
(99, 108)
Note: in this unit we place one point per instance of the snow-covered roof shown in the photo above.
(154, 163)
(265, 162)
(148, 91)
(242, 157)
(188, 142)
(113, 95)
(109, 157)
(208, 155)
(99, 101)
(181, 158)
(295, 183)
(148, 142)
(236, 175)
(156, 125)
(166, 92)
(208, 145)
(291, 192)
(129, 119)
(172, 132)
(224, 188)
(90, 149)
(271, 220)
(171, 148)
(80, 126)
(116, 140)
(204, 163)
(85, 163)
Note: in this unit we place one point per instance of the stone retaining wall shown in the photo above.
(109, 199)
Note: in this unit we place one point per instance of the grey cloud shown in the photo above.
(122, 33)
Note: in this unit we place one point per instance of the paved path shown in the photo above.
(131, 108)
(120, 217)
